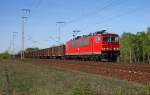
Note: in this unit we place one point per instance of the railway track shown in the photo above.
(132, 72)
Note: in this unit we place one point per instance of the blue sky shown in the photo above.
(116, 16)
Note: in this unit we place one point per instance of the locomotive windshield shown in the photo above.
(106, 39)
(110, 39)
(114, 39)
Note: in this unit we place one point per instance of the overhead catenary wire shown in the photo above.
(35, 4)
(39, 2)
(109, 4)
(130, 12)
(119, 16)
(53, 39)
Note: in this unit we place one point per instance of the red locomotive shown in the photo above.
(99, 45)
(96, 46)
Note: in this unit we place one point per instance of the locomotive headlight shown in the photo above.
(115, 48)
(104, 49)
(107, 48)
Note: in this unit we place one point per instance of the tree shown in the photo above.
(5, 55)
(31, 49)
(126, 49)
(135, 47)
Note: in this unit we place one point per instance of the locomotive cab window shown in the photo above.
(114, 39)
(106, 39)
(97, 39)
(117, 39)
(110, 39)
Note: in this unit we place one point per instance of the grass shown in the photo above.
(27, 78)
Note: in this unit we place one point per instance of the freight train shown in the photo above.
(95, 46)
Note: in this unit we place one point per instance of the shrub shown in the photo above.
(83, 89)
(119, 91)
(4, 55)
(23, 86)
(147, 89)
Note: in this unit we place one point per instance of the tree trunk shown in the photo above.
(143, 57)
(130, 56)
(148, 59)
(135, 58)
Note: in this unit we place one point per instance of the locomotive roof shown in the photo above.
(92, 34)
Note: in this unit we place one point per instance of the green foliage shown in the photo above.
(22, 86)
(31, 49)
(83, 89)
(119, 91)
(1, 86)
(4, 55)
(147, 89)
(135, 47)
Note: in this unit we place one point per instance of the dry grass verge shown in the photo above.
(38, 79)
